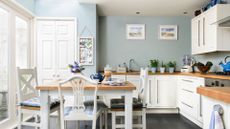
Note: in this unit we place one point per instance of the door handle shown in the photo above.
(58, 75)
(54, 75)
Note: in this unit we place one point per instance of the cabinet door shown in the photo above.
(209, 33)
(196, 36)
(165, 91)
(150, 93)
(134, 79)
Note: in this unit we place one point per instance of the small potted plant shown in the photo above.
(172, 66)
(154, 65)
(162, 68)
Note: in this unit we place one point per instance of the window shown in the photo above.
(15, 40)
(4, 43)
(22, 42)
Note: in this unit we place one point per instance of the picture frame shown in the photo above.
(135, 31)
(168, 32)
(85, 49)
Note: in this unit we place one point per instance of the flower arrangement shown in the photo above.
(76, 68)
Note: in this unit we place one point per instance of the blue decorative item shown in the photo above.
(97, 76)
(76, 68)
(225, 65)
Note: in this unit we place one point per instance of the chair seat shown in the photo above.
(119, 104)
(90, 103)
(34, 104)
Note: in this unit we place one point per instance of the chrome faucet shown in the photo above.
(130, 65)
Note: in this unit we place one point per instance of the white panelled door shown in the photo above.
(55, 49)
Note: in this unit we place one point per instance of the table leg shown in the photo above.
(128, 110)
(45, 109)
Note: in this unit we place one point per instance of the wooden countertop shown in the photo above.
(197, 74)
(128, 86)
(218, 93)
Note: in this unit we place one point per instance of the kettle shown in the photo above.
(97, 76)
(225, 65)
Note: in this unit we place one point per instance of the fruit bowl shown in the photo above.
(204, 68)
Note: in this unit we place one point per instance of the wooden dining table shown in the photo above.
(103, 90)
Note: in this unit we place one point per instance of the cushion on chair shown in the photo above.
(90, 103)
(120, 104)
(35, 102)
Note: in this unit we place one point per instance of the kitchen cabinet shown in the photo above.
(150, 92)
(208, 108)
(207, 36)
(164, 91)
(189, 102)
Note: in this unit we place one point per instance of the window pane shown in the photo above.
(21, 43)
(4, 36)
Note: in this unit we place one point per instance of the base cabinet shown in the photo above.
(165, 90)
(189, 102)
(208, 108)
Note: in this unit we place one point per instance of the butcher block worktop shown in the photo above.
(218, 93)
(197, 74)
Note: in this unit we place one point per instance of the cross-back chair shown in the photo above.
(28, 97)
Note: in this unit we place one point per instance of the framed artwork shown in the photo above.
(86, 50)
(168, 32)
(135, 31)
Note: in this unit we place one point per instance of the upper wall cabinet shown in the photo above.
(207, 35)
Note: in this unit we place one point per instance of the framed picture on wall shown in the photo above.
(168, 32)
(86, 50)
(135, 31)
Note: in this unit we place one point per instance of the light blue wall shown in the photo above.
(28, 4)
(115, 49)
(85, 14)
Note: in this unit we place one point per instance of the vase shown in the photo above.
(153, 69)
(162, 69)
(171, 69)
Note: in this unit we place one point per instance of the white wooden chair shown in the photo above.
(78, 111)
(139, 105)
(28, 98)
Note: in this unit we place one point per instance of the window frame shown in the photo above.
(16, 10)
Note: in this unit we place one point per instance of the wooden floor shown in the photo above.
(154, 121)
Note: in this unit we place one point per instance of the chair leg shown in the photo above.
(20, 119)
(36, 121)
(143, 119)
(106, 118)
(94, 123)
(101, 121)
(59, 119)
(113, 120)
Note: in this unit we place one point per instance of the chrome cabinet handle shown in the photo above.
(58, 75)
(198, 33)
(54, 75)
(187, 80)
(186, 105)
(204, 31)
(188, 91)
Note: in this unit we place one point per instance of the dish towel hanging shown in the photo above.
(216, 119)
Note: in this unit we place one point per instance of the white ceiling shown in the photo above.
(146, 7)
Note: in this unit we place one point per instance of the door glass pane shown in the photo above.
(21, 43)
(4, 41)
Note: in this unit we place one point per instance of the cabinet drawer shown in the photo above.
(188, 97)
(188, 109)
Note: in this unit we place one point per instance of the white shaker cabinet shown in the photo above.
(189, 102)
(164, 91)
(207, 36)
(134, 79)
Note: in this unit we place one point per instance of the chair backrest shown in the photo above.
(143, 85)
(27, 80)
(77, 83)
